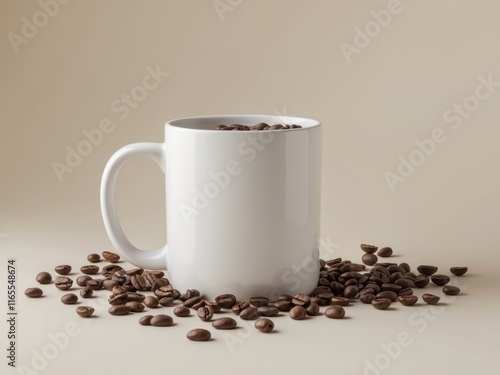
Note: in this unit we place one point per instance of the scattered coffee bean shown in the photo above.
(135, 271)
(63, 283)
(259, 301)
(94, 284)
(237, 309)
(162, 320)
(369, 259)
(109, 284)
(226, 301)
(82, 280)
(367, 297)
(85, 311)
(86, 292)
(340, 301)
(214, 305)
(440, 280)
(89, 270)
(301, 300)
(335, 312)
(392, 296)
(145, 320)
(135, 306)
(33, 292)
(451, 290)
(385, 252)
(119, 310)
(311, 310)
(63, 269)
(298, 313)
(284, 305)
(192, 301)
(69, 299)
(427, 270)
(44, 278)
(430, 299)
(264, 325)
(118, 299)
(268, 311)
(166, 301)
(370, 249)
(224, 323)
(422, 282)
(136, 297)
(408, 300)
(198, 334)
(151, 302)
(250, 313)
(94, 258)
(110, 257)
(351, 291)
(458, 271)
(381, 303)
(110, 269)
(164, 291)
(182, 311)
(206, 313)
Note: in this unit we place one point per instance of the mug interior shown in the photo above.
(209, 123)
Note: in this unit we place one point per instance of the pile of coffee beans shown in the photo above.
(260, 126)
(340, 284)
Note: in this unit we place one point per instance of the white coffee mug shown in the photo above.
(243, 207)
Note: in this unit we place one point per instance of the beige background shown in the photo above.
(277, 57)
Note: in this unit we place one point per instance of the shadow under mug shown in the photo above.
(243, 207)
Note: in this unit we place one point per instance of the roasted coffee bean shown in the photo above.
(214, 306)
(367, 297)
(86, 292)
(182, 311)
(164, 291)
(427, 270)
(205, 313)
(352, 267)
(161, 320)
(335, 312)
(110, 257)
(119, 310)
(430, 299)
(226, 301)
(69, 299)
(250, 313)
(89, 270)
(157, 283)
(85, 311)
(237, 309)
(393, 268)
(451, 290)
(202, 303)
(118, 299)
(94, 258)
(176, 294)
(224, 323)
(340, 301)
(351, 282)
(391, 287)
(422, 281)
(63, 269)
(95, 284)
(387, 294)
(405, 283)
(63, 283)
(33, 292)
(135, 306)
(297, 313)
(405, 266)
(408, 300)
(268, 311)
(120, 277)
(110, 269)
(118, 289)
(385, 252)
(319, 301)
(166, 301)
(138, 282)
(405, 292)
(284, 305)
(369, 259)
(192, 301)
(325, 296)
(44, 278)
(264, 325)
(301, 300)
(82, 280)
(151, 302)
(198, 334)
(311, 310)
(259, 301)
(370, 249)
(136, 297)
(458, 271)
(285, 297)
(381, 303)
(351, 291)
(440, 280)
(134, 271)
(145, 320)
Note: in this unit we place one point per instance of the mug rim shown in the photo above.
(305, 122)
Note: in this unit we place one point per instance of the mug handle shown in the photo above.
(155, 259)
